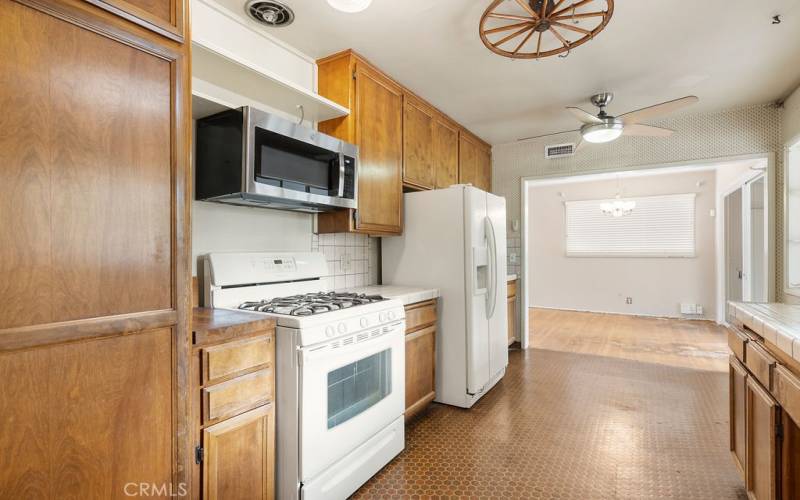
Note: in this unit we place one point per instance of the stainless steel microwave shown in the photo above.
(248, 157)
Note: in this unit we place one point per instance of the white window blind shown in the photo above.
(659, 226)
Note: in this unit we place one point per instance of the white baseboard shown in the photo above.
(621, 313)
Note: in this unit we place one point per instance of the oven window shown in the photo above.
(354, 388)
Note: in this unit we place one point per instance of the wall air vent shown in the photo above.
(559, 151)
(270, 13)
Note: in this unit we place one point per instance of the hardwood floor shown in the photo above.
(690, 344)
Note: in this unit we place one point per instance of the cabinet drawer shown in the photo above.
(737, 342)
(236, 395)
(760, 363)
(512, 288)
(419, 315)
(786, 388)
(230, 358)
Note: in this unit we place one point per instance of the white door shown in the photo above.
(478, 281)
(754, 243)
(350, 389)
(497, 291)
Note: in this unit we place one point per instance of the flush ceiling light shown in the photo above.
(349, 6)
(607, 131)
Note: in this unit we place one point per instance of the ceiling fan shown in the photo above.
(606, 128)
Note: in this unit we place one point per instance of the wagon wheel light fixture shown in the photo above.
(533, 29)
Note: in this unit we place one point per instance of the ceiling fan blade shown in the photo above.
(657, 110)
(646, 130)
(548, 135)
(584, 116)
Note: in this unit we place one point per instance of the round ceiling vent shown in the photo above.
(270, 12)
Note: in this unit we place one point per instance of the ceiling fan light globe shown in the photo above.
(598, 133)
(350, 6)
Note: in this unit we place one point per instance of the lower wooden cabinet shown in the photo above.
(764, 411)
(233, 405)
(738, 417)
(763, 446)
(420, 356)
(239, 456)
(511, 304)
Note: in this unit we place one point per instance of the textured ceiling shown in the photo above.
(726, 52)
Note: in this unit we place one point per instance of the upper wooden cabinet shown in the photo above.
(475, 162)
(418, 144)
(402, 140)
(375, 125)
(445, 152)
(165, 17)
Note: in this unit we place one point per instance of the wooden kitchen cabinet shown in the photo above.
(375, 125)
(165, 17)
(403, 142)
(475, 162)
(445, 152)
(764, 411)
(737, 378)
(94, 206)
(239, 457)
(420, 356)
(762, 447)
(511, 302)
(233, 405)
(418, 144)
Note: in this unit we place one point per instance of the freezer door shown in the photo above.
(478, 273)
(498, 319)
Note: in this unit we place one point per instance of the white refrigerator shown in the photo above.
(454, 239)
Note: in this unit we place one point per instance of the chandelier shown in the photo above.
(532, 29)
(618, 207)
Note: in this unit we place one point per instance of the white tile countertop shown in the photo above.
(511, 277)
(405, 294)
(777, 323)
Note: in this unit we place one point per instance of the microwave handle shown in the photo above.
(341, 175)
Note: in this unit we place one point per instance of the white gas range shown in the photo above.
(340, 369)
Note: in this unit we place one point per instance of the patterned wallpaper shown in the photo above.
(701, 136)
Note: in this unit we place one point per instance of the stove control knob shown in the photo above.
(329, 332)
(391, 315)
(342, 328)
(364, 322)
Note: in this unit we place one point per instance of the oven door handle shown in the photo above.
(373, 345)
(341, 175)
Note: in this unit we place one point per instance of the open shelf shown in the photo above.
(223, 78)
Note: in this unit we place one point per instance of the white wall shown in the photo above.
(657, 285)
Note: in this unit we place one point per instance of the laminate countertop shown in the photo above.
(405, 294)
(777, 323)
(213, 324)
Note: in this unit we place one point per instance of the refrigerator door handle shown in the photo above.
(491, 296)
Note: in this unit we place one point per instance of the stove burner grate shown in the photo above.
(311, 303)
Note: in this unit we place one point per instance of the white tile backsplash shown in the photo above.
(353, 259)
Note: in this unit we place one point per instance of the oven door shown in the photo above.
(349, 392)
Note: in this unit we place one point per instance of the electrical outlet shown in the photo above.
(347, 262)
(629, 300)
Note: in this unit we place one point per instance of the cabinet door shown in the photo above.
(762, 446)
(484, 170)
(418, 163)
(790, 458)
(379, 136)
(738, 385)
(420, 369)
(165, 17)
(239, 459)
(467, 161)
(445, 153)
